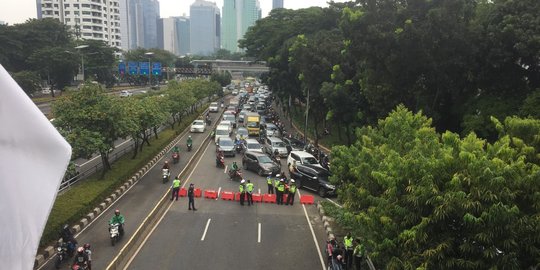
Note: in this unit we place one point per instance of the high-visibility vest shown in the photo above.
(348, 242)
(276, 182)
(176, 183)
(241, 188)
(249, 187)
(269, 180)
(281, 188)
(292, 189)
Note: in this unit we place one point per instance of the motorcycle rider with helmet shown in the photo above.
(166, 165)
(88, 252)
(69, 239)
(118, 218)
(189, 142)
(81, 258)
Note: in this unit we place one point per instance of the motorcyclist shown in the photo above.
(176, 149)
(189, 140)
(118, 218)
(234, 167)
(219, 156)
(81, 258)
(69, 239)
(275, 155)
(88, 252)
(166, 165)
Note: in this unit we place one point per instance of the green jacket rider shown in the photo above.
(189, 141)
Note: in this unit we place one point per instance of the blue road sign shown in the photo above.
(132, 68)
(156, 68)
(144, 69)
(122, 68)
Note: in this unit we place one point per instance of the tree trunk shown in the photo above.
(339, 131)
(348, 127)
(155, 132)
(105, 162)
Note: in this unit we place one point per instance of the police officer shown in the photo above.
(191, 197)
(242, 189)
(281, 190)
(276, 183)
(270, 185)
(292, 192)
(348, 245)
(249, 193)
(175, 188)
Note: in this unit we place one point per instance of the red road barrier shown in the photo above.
(210, 194)
(238, 196)
(197, 192)
(182, 192)
(257, 197)
(269, 198)
(227, 195)
(306, 199)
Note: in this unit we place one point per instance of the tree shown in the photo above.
(99, 61)
(148, 114)
(424, 200)
(223, 78)
(179, 100)
(93, 121)
(56, 64)
(29, 81)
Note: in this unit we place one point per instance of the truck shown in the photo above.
(253, 123)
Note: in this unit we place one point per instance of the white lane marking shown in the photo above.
(313, 234)
(259, 235)
(335, 203)
(99, 156)
(219, 191)
(147, 236)
(205, 229)
(196, 165)
(225, 170)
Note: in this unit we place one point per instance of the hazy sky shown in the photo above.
(18, 11)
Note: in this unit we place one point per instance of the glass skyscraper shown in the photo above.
(143, 16)
(277, 4)
(205, 28)
(238, 16)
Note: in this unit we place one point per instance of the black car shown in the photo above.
(293, 144)
(260, 163)
(315, 178)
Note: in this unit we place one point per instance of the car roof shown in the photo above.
(275, 139)
(315, 168)
(223, 127)
(257, 154)
(225, 139)
(302, 153)
(271, 125)
(241, 128)
(252, 141)
(199, 121)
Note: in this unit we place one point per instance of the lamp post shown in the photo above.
(149, 54)
(82, 58)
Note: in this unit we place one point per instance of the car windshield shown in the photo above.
(224, 123)
(253, 124)
(222, 132)
(198, 122)
(229, 117)
(242, 132)
(310, 160)
(225, 143)
(324, 176)
(253, 146)
(213, 104)
(264, 159)
(278, 144)
(297, 144)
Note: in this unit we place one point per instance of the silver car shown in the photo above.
(226, 145)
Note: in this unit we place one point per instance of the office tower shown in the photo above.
(182, 28)
(142, 20)
(238, 16)
(205, 27)
(277, 4)
(92, 20)
(173, 35)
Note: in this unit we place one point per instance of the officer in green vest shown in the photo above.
(175, 188)
(348, 244)
(242, 189)
(292, 193)
(358, 253)
(276, 183)
(249, 193)
(280, 190)
(270, 185)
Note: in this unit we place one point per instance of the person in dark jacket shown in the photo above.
(191, 197)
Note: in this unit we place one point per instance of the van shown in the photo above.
(271, 144)
(221, 131)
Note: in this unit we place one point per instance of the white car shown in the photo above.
(302, 157)
(198, 126)
(235, 92)
(221, 131)
(125, 93)
(253, 146)
(214, 107)
(228, 124)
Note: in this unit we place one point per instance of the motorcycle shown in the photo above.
(176, 157)
(79, 267)
(114, 231)
(220, 162)
(189, 145)
(235, 175)
(165, 175)
(61, 254)
(238, 146)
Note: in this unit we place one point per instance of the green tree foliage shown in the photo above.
(223, 78)
(92, 121)
(424, 200)
(56, 65)
(29, 81)
(99, 61)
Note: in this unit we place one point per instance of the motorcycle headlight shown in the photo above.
(59, 249)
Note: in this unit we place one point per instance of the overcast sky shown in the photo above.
(18, 11)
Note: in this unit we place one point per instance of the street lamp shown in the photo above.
(149, 54)
(82, 58)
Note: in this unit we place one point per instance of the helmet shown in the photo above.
(189, 136)
(80, 250)
(117, 212)
(86, 246)
(281, 180)
(243, 181)
(166, 162)
(292, 180)
(278, 175)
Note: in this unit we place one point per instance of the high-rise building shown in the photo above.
(277, 4)
(173, 35)
(142, 20)
(205, 27)
(92, 20)
(238, 16)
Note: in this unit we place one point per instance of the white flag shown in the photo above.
(33, 160)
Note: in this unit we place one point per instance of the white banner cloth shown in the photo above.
(33, 160)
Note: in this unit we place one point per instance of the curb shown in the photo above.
(326, 221)
(50, 251)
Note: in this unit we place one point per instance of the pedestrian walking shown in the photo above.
(292, 193)
(281, 190)
(348, 244)
(270, 185)
(242, 189)
(249, 193)
(191, 197)
(359, 251)
(175, 188)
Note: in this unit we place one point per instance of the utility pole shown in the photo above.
(307, 114)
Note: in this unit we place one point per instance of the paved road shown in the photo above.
(134, 204)
(225, 235)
